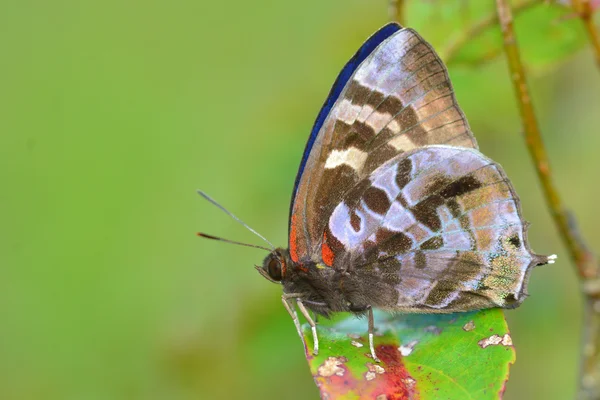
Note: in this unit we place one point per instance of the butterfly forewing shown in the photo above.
(398, 99)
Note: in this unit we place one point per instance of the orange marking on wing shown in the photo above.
(326, 252)
(293, 240)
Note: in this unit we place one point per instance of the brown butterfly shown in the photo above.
(394, 207)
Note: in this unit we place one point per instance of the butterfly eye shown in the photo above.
(274, 268)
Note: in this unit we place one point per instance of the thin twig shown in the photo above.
(587, 266)
(537, 150)
(397, 11)
(476, 29)
(584, 9)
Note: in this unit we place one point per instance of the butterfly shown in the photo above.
(393, 206)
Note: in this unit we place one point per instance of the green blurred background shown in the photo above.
(113, 113)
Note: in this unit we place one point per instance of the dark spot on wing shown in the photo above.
(376, 157)
(389, 269)
(392, 243)
(409, 119)
(434, 243)
(459, 187)
(426, 212)
(454, 207)
(363, 95)
(403, 174)
(376, 200)
(437, 183)
(348, 137)
(447, 191)
(402, 200)
(420, 260)
(355, 221)
(363, 129)
(391, 105)
(442, 291)
(515, 241)
(510, 299)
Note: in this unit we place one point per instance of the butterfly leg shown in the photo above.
(371, 331)
(313, 325)
(292, 311)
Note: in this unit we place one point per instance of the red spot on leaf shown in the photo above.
(398, 384)
(339, 383)
(390, 378)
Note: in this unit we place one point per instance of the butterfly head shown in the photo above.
(274, 266)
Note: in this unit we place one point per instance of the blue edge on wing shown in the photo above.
(343, 78)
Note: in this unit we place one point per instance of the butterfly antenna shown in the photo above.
(211, 200)
(207, 236)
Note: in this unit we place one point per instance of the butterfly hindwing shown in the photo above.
(439, 228)
(397, 99)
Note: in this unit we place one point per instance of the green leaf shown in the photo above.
(423, 356)
(468, 32)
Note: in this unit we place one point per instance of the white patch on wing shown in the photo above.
(352, 157)
(458, 240)
(398, 218)
(385, 179)
(366, 110)
(401, 142)
(449, 223)
(347, 112)
(393, 126)
(341, 227)
(378, 120)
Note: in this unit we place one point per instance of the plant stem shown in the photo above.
(397, 11)
(477, 29)
(585, 262)
(584, 9)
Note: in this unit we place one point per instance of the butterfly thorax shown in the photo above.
(322, 289)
